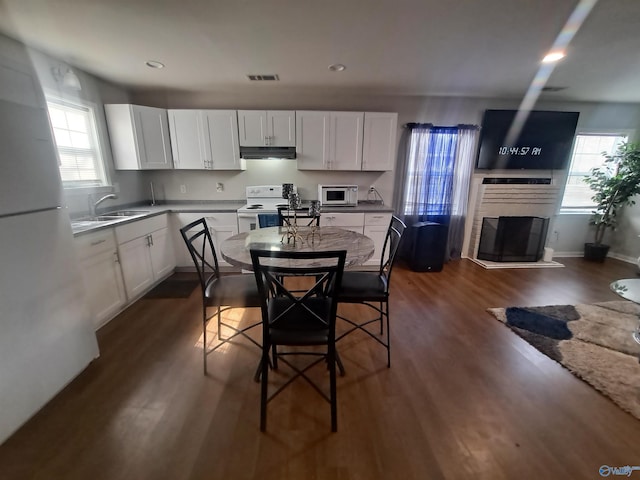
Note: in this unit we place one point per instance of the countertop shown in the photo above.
(225, 206)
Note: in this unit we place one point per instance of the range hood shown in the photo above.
(267, 152)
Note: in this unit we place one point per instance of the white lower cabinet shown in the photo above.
(101, 274)
(146, 253)
(375, 227)
(221, 226)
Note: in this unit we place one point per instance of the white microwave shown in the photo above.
(338, 195)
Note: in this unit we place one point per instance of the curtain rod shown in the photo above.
(431, 125)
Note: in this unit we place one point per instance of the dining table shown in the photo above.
(236, 250)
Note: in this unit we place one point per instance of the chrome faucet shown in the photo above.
(93, 205)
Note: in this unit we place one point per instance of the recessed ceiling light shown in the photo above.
(154, 64)
(553, 57)
(337, 67)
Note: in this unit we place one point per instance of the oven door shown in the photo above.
(247, 222)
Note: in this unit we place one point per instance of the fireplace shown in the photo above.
(512, 239)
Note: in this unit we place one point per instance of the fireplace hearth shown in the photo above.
(512, 239)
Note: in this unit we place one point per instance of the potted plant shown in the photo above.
(614, 184)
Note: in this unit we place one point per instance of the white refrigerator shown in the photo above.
(46, 333)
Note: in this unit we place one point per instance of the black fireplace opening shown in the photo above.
(513, 239)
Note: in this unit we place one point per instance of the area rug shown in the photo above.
(178, 285)
(593, 342)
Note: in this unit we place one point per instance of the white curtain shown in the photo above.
(465, 160)
(415, 172)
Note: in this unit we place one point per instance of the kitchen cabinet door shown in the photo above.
(329, 140)
(346, 140)
(185, 128)
(375, 227)
(101, 274)
(259, 128)
(137, 269)
(221, 227)
(220, 139)
(161, 250)
(281, 126)
(139, 137)
(205, 140)
(379, 148)
(313, 136)
(105, 288)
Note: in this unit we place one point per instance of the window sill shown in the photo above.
(576, 211)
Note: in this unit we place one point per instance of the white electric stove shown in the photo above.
(260, 199)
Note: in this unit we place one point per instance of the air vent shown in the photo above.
(553, 89)
(262, 78)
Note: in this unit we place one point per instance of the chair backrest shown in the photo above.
(286, 216)
(322, 276)
(198, 239)
(390, 249)
(269, 220)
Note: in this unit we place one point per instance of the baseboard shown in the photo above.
(498, 265)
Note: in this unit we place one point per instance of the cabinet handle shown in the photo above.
(98, 242)
(116, 258)
(151, 239)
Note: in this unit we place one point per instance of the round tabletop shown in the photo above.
(236, 249)
(628, 288)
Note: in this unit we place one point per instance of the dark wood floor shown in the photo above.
(464, 398)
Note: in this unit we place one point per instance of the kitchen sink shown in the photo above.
(124, 213)
(85, 223)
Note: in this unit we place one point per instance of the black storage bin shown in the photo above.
(428, 244)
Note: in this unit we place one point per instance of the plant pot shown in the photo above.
(595, 253)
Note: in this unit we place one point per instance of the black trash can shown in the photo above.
(427, 247)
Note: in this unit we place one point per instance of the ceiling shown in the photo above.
(478, 48)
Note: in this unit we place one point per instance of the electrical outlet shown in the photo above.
(219, 187)
(183, 189)
(372, 189)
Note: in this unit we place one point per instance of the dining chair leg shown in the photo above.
(274, 356)
(332, 390)
(381, 320)
(204, 339)
(388, 335)
(264, 389)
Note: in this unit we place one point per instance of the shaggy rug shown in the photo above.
(594, 342)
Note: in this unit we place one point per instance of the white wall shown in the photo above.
(127, 184)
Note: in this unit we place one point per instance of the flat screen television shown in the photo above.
(540, 140)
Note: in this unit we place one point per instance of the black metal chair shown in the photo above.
(221, 291)
(368, 288)
(285, 215)
(298, 318)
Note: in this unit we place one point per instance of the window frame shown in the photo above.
(587, 210)
(92, 109)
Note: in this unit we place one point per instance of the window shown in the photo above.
(587, 154)
(74, 129)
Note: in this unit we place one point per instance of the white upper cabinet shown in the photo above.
(139, 137)
(259, 128)
(346, 141)
(313, 139)
(379, 150)
(205, 140)
(329, 140)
